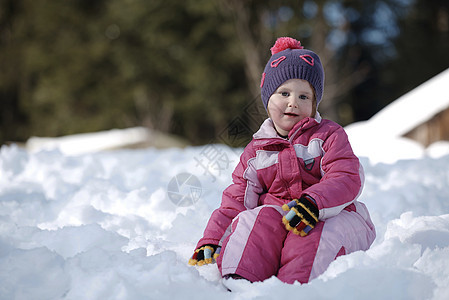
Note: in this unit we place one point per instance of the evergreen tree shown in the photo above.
(193, 67)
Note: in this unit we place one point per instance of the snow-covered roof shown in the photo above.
(381, 137)
(415, 107)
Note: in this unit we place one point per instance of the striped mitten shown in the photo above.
(205, 255)
(302, 217)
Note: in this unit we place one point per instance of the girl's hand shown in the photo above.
(302, 217)
(205, 255)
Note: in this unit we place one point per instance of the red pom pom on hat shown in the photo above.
(283, 43)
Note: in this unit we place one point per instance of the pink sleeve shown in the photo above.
(232, 203)
(342, 176)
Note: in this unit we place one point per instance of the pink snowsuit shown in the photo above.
(316, 160)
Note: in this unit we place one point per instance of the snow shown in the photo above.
(102, 225)
(91, 142)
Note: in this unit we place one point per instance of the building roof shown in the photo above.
(381, 138)
(414, 108)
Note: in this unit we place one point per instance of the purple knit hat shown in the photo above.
(290, 60)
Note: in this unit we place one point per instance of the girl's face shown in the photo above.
(290, 103)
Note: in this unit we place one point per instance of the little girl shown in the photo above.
(292, 208)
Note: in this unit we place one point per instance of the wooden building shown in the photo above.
(433, 130)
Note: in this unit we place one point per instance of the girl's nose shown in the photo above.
(292, 103)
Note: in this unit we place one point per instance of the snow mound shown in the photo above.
(104, 226)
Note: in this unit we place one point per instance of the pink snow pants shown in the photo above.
(259, 246)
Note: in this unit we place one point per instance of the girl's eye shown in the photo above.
(285, 94)
(303, 97)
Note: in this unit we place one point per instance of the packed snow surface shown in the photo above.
(122, 225)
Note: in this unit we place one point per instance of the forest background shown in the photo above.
(193, 68)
